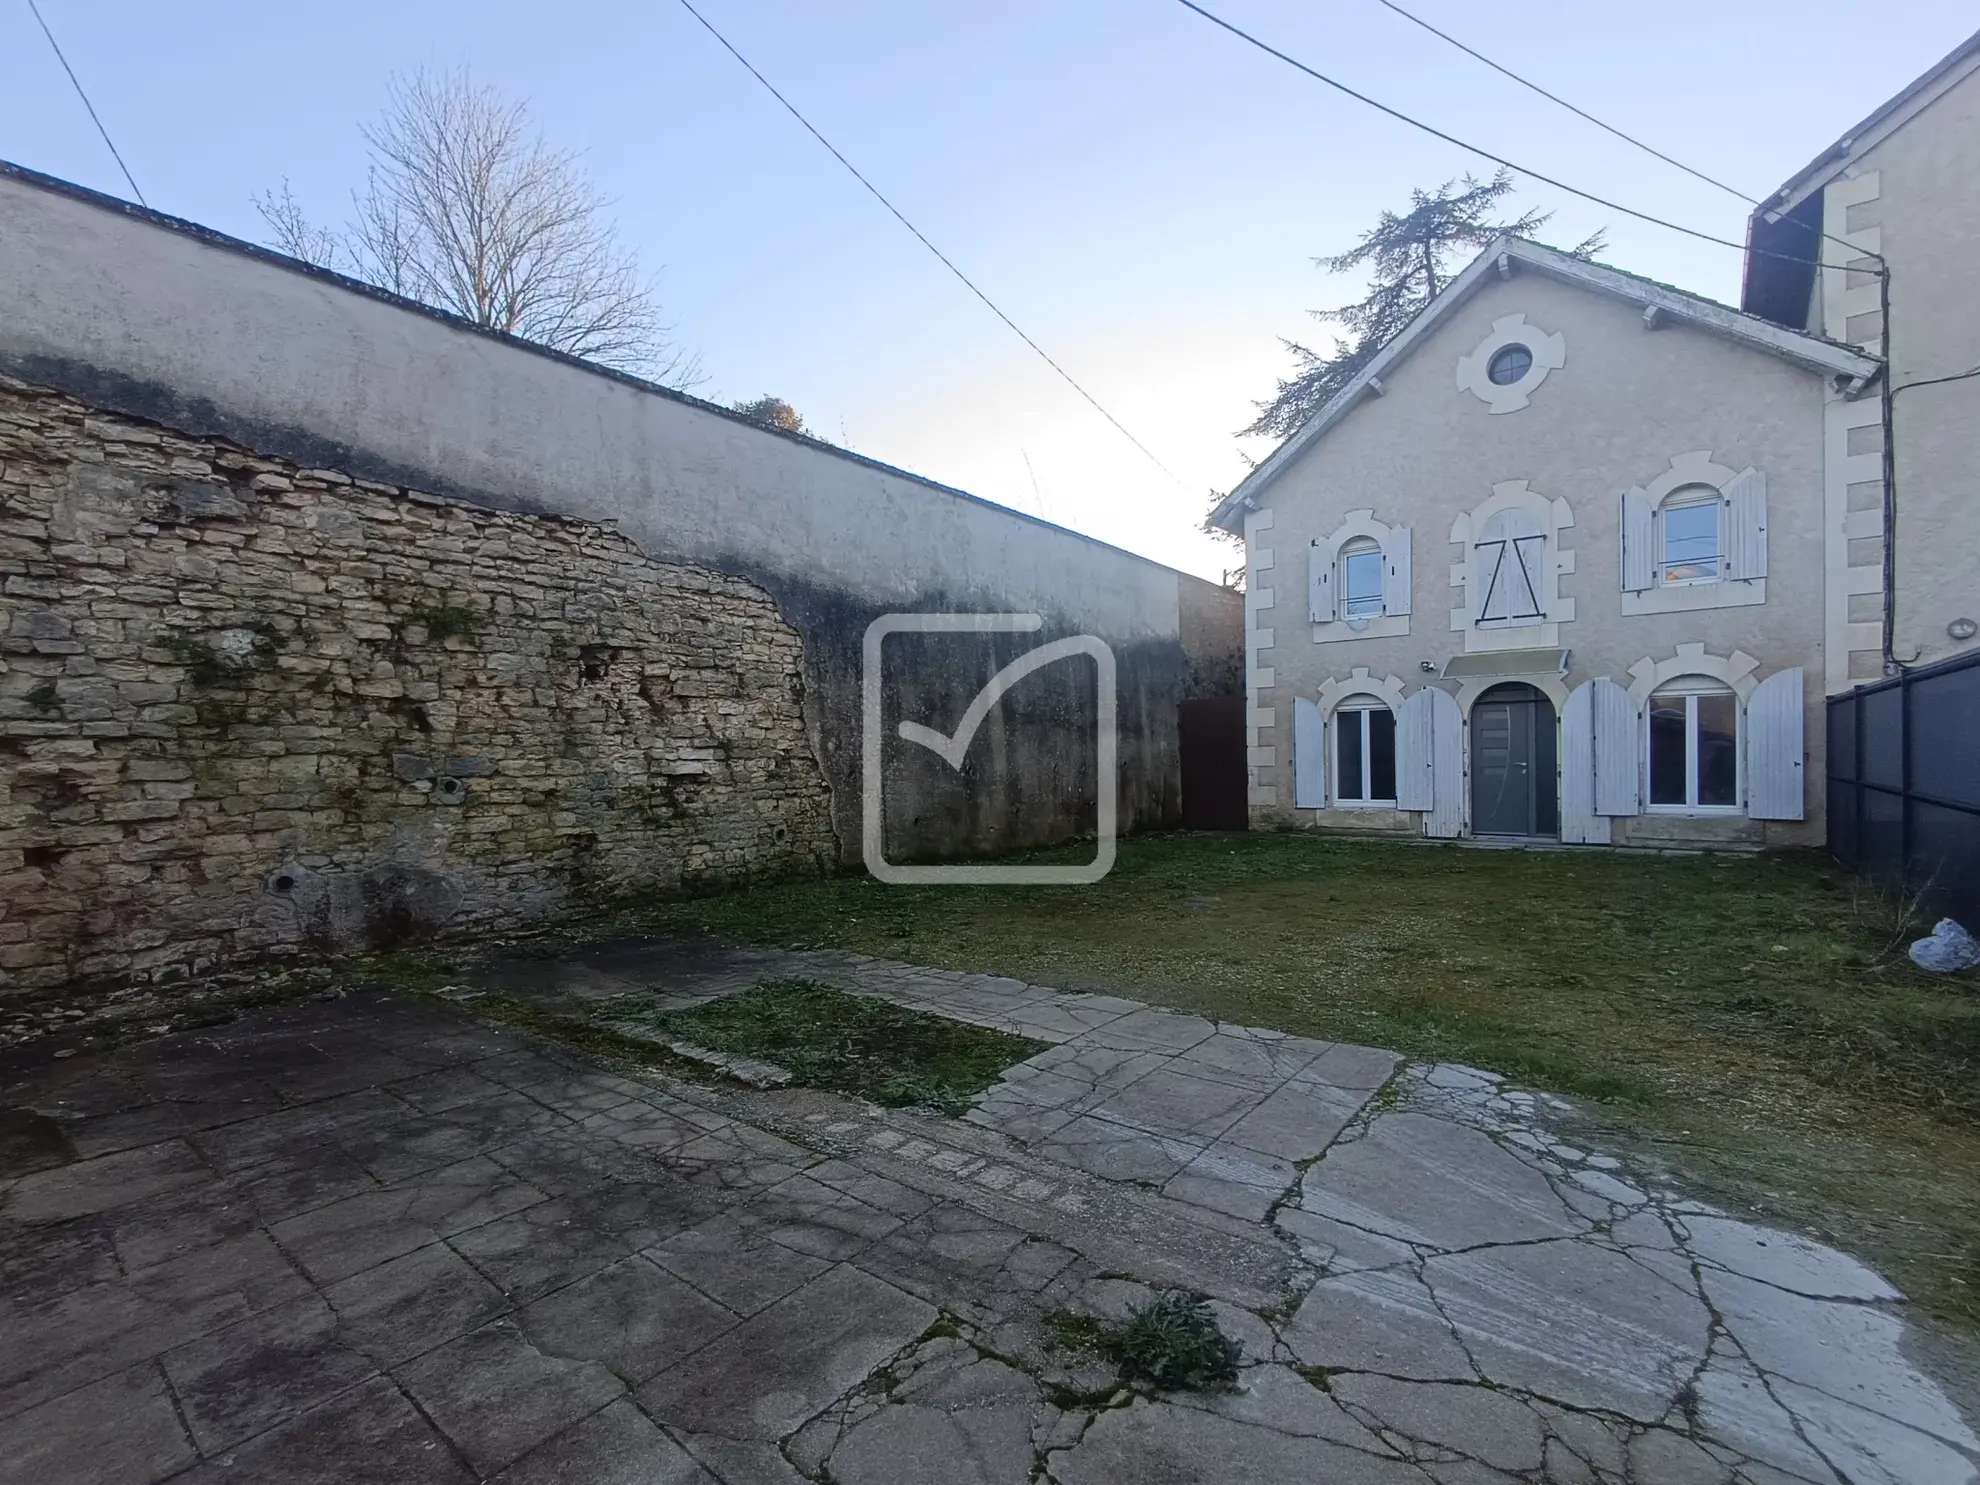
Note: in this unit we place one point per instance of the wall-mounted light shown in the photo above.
(1963, 628)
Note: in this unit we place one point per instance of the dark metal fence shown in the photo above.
(1904, 784)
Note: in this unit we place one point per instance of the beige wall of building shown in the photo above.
(1625, 402)
(1913, 195)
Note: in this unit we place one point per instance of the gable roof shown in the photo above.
(1783, 233)
(1501, 257)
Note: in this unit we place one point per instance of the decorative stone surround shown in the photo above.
(245, 705)
(1736, 670)
(1549, 350)
(1554, 517)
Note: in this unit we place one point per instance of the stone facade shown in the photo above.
(246, 706)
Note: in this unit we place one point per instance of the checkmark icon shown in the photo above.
(953, 747)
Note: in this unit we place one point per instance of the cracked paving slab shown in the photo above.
(371, 1239)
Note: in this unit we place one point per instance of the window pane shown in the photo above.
(1361, 580)
(1718, 750)
(1381, 754)
(1348, 757)
(1667, 750)
(1691, 542)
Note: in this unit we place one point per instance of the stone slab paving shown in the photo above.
(372, 1239)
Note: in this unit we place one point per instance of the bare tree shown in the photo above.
(465, 207)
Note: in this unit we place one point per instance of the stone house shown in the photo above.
(1580, 556)
(1552, 566)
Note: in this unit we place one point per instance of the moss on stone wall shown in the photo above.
(216, 667)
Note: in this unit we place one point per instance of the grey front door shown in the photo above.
(1512, 763)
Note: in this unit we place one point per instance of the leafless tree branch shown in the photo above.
(466, 207)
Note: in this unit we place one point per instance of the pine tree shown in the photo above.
(1411, 258)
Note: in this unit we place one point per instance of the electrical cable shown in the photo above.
(1581, 113)
(77, 82)
(964, 278)
(1469, 148)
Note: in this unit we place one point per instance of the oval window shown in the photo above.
(1509, 364)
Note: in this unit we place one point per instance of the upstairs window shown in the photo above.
(1364, 752)
(1690, 540)
(1361, 578)
(1511, 549)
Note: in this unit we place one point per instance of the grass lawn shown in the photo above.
(1753, 1022)
(825, 1038)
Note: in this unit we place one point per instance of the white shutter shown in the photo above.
(1639, 542)
(1774, 747)
(1746, 526)
(1416, 784)
(1617, 772)
(1395, 585)
(1309, 755)
(1580, 825)
(1320, 582)
(1446, 817)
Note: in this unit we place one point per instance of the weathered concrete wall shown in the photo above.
(163, 321)
(246, 706)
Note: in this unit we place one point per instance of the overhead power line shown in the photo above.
(1581, 113)
(920, 237)
(77, 82)
(1465, 145)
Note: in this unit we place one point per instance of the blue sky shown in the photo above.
(1142, 193)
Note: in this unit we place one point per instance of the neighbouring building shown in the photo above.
(1900, 189)
(327, 618)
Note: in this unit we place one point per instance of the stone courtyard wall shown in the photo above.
(247, 707)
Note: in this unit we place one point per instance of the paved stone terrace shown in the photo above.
(371, 1239)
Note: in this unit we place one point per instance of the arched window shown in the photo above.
(1364, 752)
(1361, 578)
(1694, 745)
(1690, 538)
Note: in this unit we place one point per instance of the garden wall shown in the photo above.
(247, 707)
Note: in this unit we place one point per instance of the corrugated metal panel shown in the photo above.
(1309, 755)
(1320, 582)
(1416, 783)
(1746, 524)
(1395, 590)
(1446, 817)
(1580, 825)
(1775, 748)
(1618, 781)
(1639, 555)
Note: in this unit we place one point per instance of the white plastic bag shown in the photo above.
(1949, 948)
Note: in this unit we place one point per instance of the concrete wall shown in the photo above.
(205, 335)
(1914, 197)
(246, 708)
(1626, 403)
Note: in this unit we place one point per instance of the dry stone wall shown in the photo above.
(247, 708)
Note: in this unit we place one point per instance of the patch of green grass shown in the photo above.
(1753, 1021)
(826, 1038)
(1171, 1342)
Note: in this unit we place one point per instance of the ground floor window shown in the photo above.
(1694, 746)
(1364, 752)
